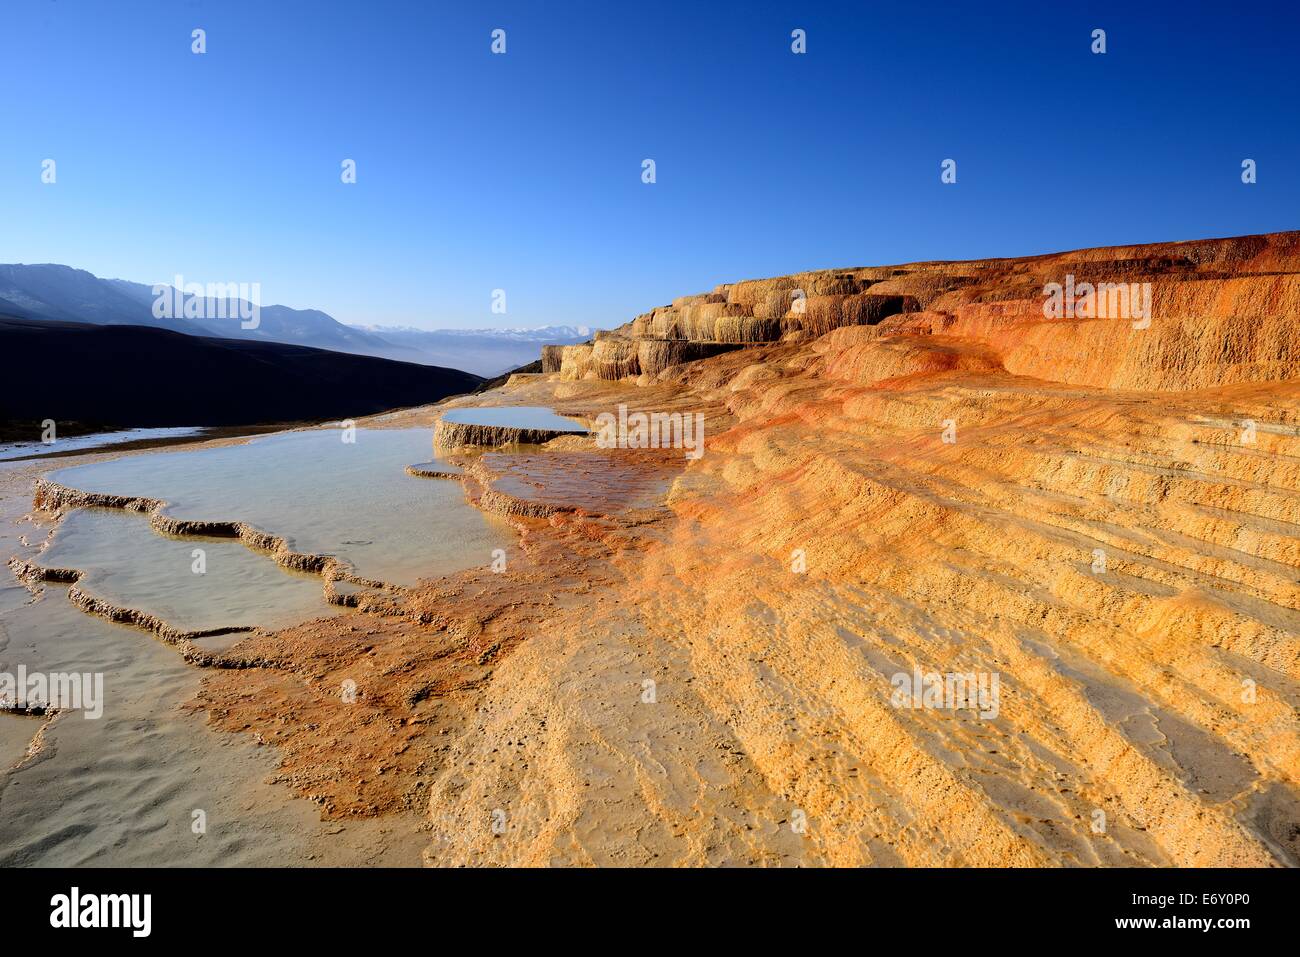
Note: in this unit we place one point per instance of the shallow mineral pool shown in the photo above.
(123, 789)
(128, 784)
(193, 584)
(324, 494)
(514, 417)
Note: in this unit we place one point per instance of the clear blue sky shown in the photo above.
(523, 171)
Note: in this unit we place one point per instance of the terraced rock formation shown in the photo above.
(907, 469)
(448, 436)
(1203, 292)
(339, 582)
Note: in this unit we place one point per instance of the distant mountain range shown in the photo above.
(63, 294)
(486, 352)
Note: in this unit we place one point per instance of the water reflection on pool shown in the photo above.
(193, 584)
(324, 494)
(514, 417)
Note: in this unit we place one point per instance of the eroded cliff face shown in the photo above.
(1221, 311)
(913, 471)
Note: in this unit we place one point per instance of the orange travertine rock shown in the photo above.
(695, 662)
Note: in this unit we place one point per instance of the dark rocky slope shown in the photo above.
(138, 376)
